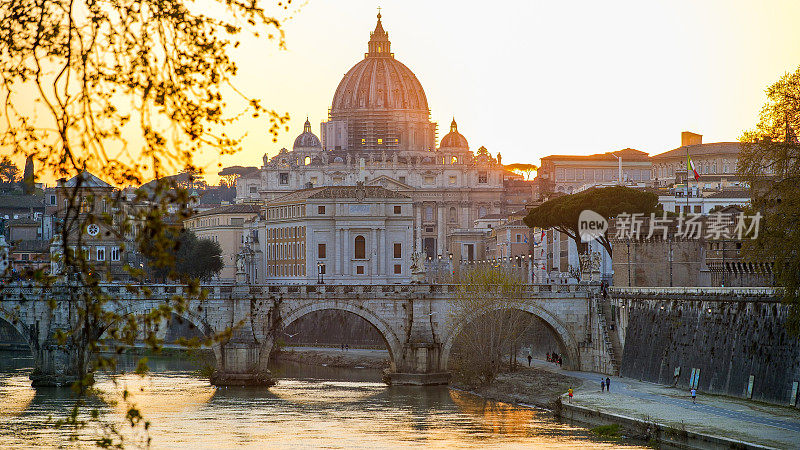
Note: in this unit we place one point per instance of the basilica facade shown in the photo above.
(379, 134)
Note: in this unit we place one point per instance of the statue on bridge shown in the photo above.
(417, 269)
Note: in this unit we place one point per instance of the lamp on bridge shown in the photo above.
(320, 273)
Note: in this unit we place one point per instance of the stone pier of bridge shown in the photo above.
(414, 321)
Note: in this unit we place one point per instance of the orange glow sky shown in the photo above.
(533, 78)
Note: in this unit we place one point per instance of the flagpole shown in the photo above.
(687, 179)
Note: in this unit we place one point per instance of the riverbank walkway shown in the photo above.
(717, 415)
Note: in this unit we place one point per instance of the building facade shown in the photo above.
(379, 133)
(224, 225)
(338, 235)
(715, 162)
(575, 173)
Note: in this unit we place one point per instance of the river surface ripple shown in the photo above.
(310, 406)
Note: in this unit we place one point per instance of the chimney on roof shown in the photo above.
(689, 138)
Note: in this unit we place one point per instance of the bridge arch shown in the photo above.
(392, 342)
(23, 331)
(201, 325)
(567, 341)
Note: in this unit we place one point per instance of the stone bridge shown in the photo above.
(413, 320)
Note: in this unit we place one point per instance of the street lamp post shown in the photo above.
(320, 273)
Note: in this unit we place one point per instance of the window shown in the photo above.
(307, 160)
(313, 180)
(237, 221)
(452, 216)
(321, 269)
(398, 269)
(283, 177)
(519, 238)
(321, 209)
(483, 177)
(398, 209)
(52, 199)
(360, 248)
(428, 180)
(380, 141)
(101, 253)
(454, 160)
(363, 142)
(114, 253)
(481, 211)
(697, 208)
(253, 190)
(359, 270)
(403, 180)
(429, 213)
(398, 250)
(321, 251)
(452, 179)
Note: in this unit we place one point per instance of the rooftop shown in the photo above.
(21, 201)
(238, 208)
(727, 148)
(339, 192)
(627, 155)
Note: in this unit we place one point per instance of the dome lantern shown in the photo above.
(379, 44)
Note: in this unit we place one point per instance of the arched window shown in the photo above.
(360, 249)
(452, 214)
(482, 211)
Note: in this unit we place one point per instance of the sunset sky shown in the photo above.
(533, 78)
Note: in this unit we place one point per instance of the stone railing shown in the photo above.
(123, 291)
(727, 292)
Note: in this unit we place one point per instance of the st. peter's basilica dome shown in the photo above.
(379, 104)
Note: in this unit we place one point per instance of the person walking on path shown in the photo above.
(608, 384)
(602, 385)
(694, 396)
(529, 358)
(569, 393)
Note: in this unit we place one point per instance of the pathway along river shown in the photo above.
(309, 407)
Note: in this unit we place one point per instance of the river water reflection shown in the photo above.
(309, 407)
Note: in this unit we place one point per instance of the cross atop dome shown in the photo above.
(379, 44)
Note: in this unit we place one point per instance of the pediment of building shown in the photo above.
(388, 183)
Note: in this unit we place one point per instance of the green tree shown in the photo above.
(198, 258)
(232, 173)
(527, 169)
(9, 172)
(770, 162)
(487, 313)
(66, 67)
(561, 213)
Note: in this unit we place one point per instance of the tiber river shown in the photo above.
(309, 407)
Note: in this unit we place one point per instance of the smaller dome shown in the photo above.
(307, 139)
(454, 139)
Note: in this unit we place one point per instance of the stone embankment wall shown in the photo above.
(732, 339)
